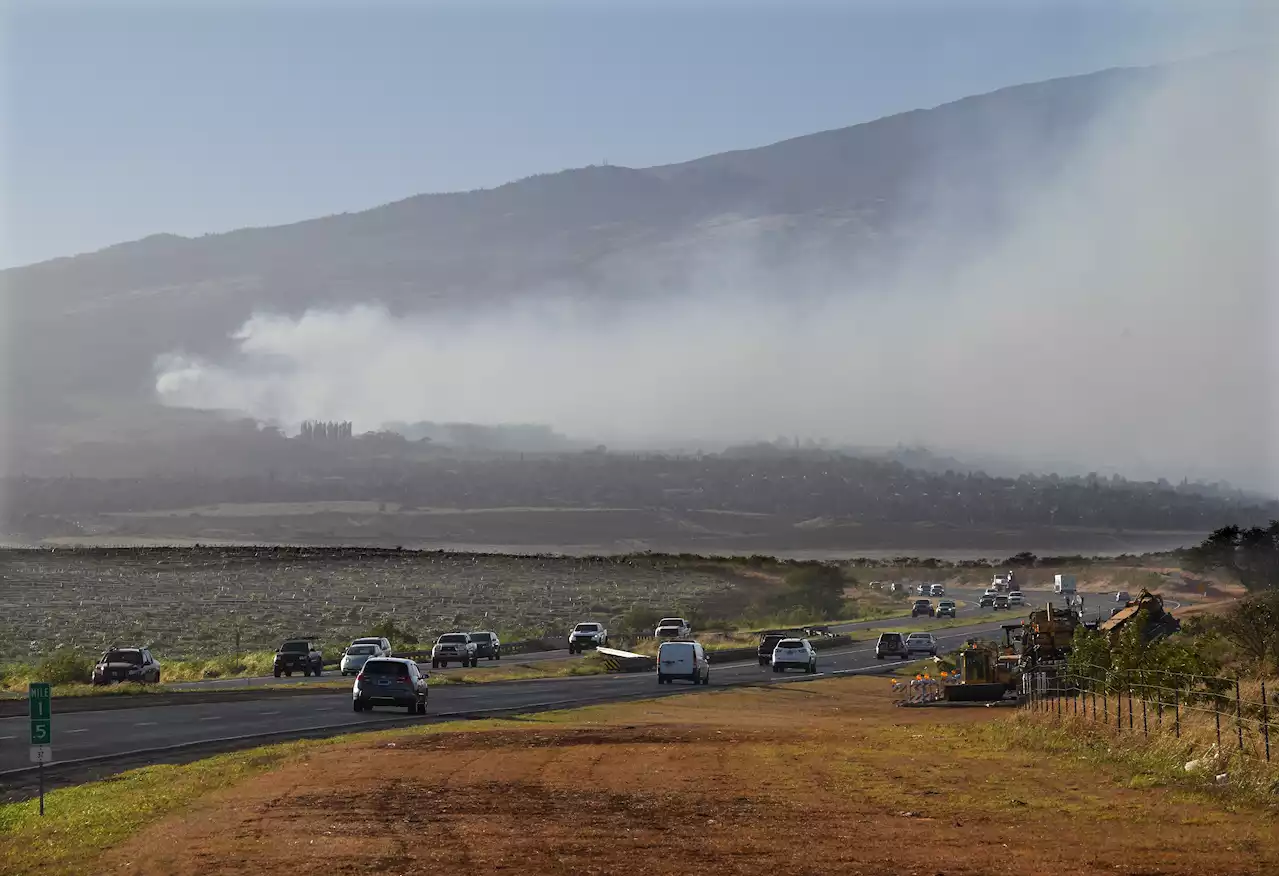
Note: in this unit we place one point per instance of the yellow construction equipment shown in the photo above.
(982, 674)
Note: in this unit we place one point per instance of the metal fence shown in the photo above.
(1232, 714)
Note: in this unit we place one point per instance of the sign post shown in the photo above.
(40, 708)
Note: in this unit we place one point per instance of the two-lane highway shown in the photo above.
(123, 731)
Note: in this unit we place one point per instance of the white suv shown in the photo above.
(795, 654)
(381, 643)
(922, 642)
(454, 648)
(672, 628)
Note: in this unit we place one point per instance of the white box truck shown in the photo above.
(1064, 583)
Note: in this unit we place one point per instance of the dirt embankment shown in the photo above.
(816, 778)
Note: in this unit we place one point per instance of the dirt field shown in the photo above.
(817, 778)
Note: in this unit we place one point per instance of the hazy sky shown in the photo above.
(123, 120)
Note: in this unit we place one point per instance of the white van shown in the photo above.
(1064, 583)
(683, 660)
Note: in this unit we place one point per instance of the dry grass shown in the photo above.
(822, 777)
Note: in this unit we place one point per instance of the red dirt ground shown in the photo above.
(820, 778)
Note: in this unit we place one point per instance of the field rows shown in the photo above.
(191, 602)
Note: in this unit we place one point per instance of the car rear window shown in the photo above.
(134, 657)
(481, 637)
(454, 638)
(360, 649)
(296, 647)
(677, 649)
(385, 667)
(791, 643)
(890, 639)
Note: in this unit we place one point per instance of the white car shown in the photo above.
(353, 659)
(794, 654)
(672, 628)
(1015, 598)
(588, 634)
(454, 648)
(918, 643)
(1123, 597)
(382, 643)
(683, 660)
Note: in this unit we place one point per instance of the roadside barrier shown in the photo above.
(923, 688)
(626, 661)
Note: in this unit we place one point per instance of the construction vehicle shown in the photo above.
(983, 675)
(1159, 622)
(1046, 636)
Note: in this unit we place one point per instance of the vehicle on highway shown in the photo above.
(126, 664)
(922, 589)
(353, 659)
(922, 643)
(587, 634)
(1123, 597)
(685, 660)
(986, 600)
(454, 648)
(297, 655)
(922, 606)
(1015, 599)
(1001, 602)
(487, 644)
(1064, 584)
(382, 643)
(946, 608)
(891, 645)
(795, 654)
(672, 628)
(769, 640)
(937, 590)
(390, 681)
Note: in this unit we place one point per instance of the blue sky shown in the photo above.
(128, 120)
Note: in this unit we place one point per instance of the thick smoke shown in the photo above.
(1121, 321)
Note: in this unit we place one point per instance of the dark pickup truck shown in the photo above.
(298, 655)
(769, 640)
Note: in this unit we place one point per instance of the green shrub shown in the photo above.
(64, 666)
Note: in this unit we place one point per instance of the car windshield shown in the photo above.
(385, 667)
(481, 637)
(670, 622)
(586, 628)
(134, 657)
(369, 641)
(358, 650)
(295, 647)
(453, 638)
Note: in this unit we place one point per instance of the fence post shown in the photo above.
(1106, 709)
(1130, 692)
(1177, 716)
(1217, 717)
(1239, 725)
(1093, 695)
(1144, 714)
(1119, 710)
(1266, 725)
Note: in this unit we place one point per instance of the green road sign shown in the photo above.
(40, 707)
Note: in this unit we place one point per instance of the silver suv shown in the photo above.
(454, 648)
(390, 681)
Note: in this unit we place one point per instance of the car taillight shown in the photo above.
(360, 677)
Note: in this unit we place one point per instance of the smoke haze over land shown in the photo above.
(1122, 316)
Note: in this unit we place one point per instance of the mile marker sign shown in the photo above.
(40, 707)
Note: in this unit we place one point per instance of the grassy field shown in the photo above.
(821, 777)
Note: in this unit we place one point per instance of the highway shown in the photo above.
(969, 609)
(121, 738)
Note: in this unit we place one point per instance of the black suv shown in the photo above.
(487, 645)
(769, 640)
(922, 606)
(127, 664)
(298, 655)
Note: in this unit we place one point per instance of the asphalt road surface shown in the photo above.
(970, 609)
(123, 731)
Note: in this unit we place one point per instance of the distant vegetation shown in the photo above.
(828, 487)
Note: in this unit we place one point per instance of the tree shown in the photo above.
(819, 589)
(1247, 554)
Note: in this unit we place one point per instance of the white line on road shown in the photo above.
(269, 713)
(145, 724)
(81, 730)
(211, 718)
(7, 738)
(325, 708)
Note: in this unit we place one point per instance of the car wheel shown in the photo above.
(412, 708)
(357, 706)
(306, 672)
(422, 707)
(319, 669)
(661, 680)
(288, 674)
(276, 673)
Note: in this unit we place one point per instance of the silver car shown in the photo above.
(390, 681)
(353, 659)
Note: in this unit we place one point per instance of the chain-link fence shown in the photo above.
(1232, 714)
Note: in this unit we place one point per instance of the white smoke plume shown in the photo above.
(1123, 323)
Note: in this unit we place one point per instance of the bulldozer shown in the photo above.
(983, 675)
(1047, 634)
(1159, 622)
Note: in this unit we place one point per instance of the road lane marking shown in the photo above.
(81, 730)
(7, 738)
(145, 724)
(211, 718)
(269, 713)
